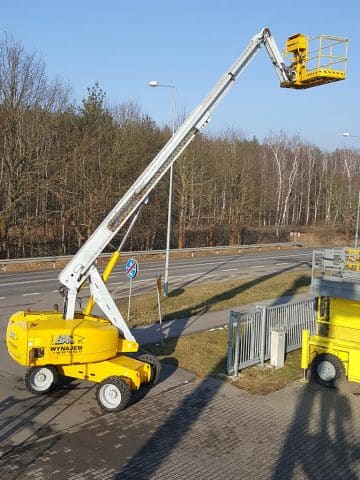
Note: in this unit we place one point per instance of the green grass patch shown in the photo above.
(204, 354)
(264, 380)
(201, 298)
(201, 353)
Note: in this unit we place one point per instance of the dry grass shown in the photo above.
(201, 353)
(322, 236)
(204, 354)
(264, 380)
(198, 299)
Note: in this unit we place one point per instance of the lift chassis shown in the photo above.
(85, 346)
(333, 352)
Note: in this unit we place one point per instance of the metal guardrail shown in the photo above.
(250, 332)
(192, 251)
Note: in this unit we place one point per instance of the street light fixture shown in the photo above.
(348, 134)
(155, 83)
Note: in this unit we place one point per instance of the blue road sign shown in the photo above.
(131, 268)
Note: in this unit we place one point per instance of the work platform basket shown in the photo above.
(315, 61)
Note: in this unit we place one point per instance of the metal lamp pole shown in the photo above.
(155, 83)
(347, 134)
(357, 222)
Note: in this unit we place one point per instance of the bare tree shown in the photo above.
(26, 99)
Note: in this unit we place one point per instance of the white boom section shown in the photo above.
(79, 268)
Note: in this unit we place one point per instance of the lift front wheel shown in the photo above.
(40, 380)
(155, 367)
(327, 369)
(113, 394)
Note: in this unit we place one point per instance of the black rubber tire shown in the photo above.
(32, 376)
(334, 364)
(155, 367)
(115, 387)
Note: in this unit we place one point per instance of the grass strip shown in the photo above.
(204, 354)
(202, 298)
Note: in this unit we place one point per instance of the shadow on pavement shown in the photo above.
(24, 457)
(208, 272)
(20, 416)
(181, 420)
(169, 366)
(320, 449)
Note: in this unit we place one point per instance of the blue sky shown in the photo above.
(123, 45)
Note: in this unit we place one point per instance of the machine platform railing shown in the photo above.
(336, 273)
(327, 52)
(316, 61)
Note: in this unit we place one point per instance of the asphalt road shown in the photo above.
(30, 287)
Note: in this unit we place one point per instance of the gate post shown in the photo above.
(237, 344)
(277, 349)
(262, 334)
(233, 357)
(230, 356)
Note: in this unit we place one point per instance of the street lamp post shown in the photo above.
(357, 221)
(347, 134)
(155, 83)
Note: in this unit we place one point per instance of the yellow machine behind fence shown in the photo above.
(85, 346)
(334, 351)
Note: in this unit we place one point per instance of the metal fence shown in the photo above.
(250, 332)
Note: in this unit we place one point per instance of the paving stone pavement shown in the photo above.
(206, 429)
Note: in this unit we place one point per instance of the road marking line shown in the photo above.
(137, 281)
(229, 270)
(222, 259)
(258, 266)
(27, 281)
(283, 263)
(2, 298)
(199, 274)
(28, 294)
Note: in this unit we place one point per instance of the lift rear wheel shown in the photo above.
(113, 394)
(327, 369)
(40, 380)
(155, 367)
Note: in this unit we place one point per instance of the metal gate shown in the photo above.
(249, 332)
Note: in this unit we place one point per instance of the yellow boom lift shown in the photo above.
(82, 345)
(334, 351)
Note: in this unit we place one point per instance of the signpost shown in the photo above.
(158, 289)
(131, 270)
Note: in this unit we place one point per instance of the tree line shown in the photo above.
(64, 165)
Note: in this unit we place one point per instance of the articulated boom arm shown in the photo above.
(82, 265)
